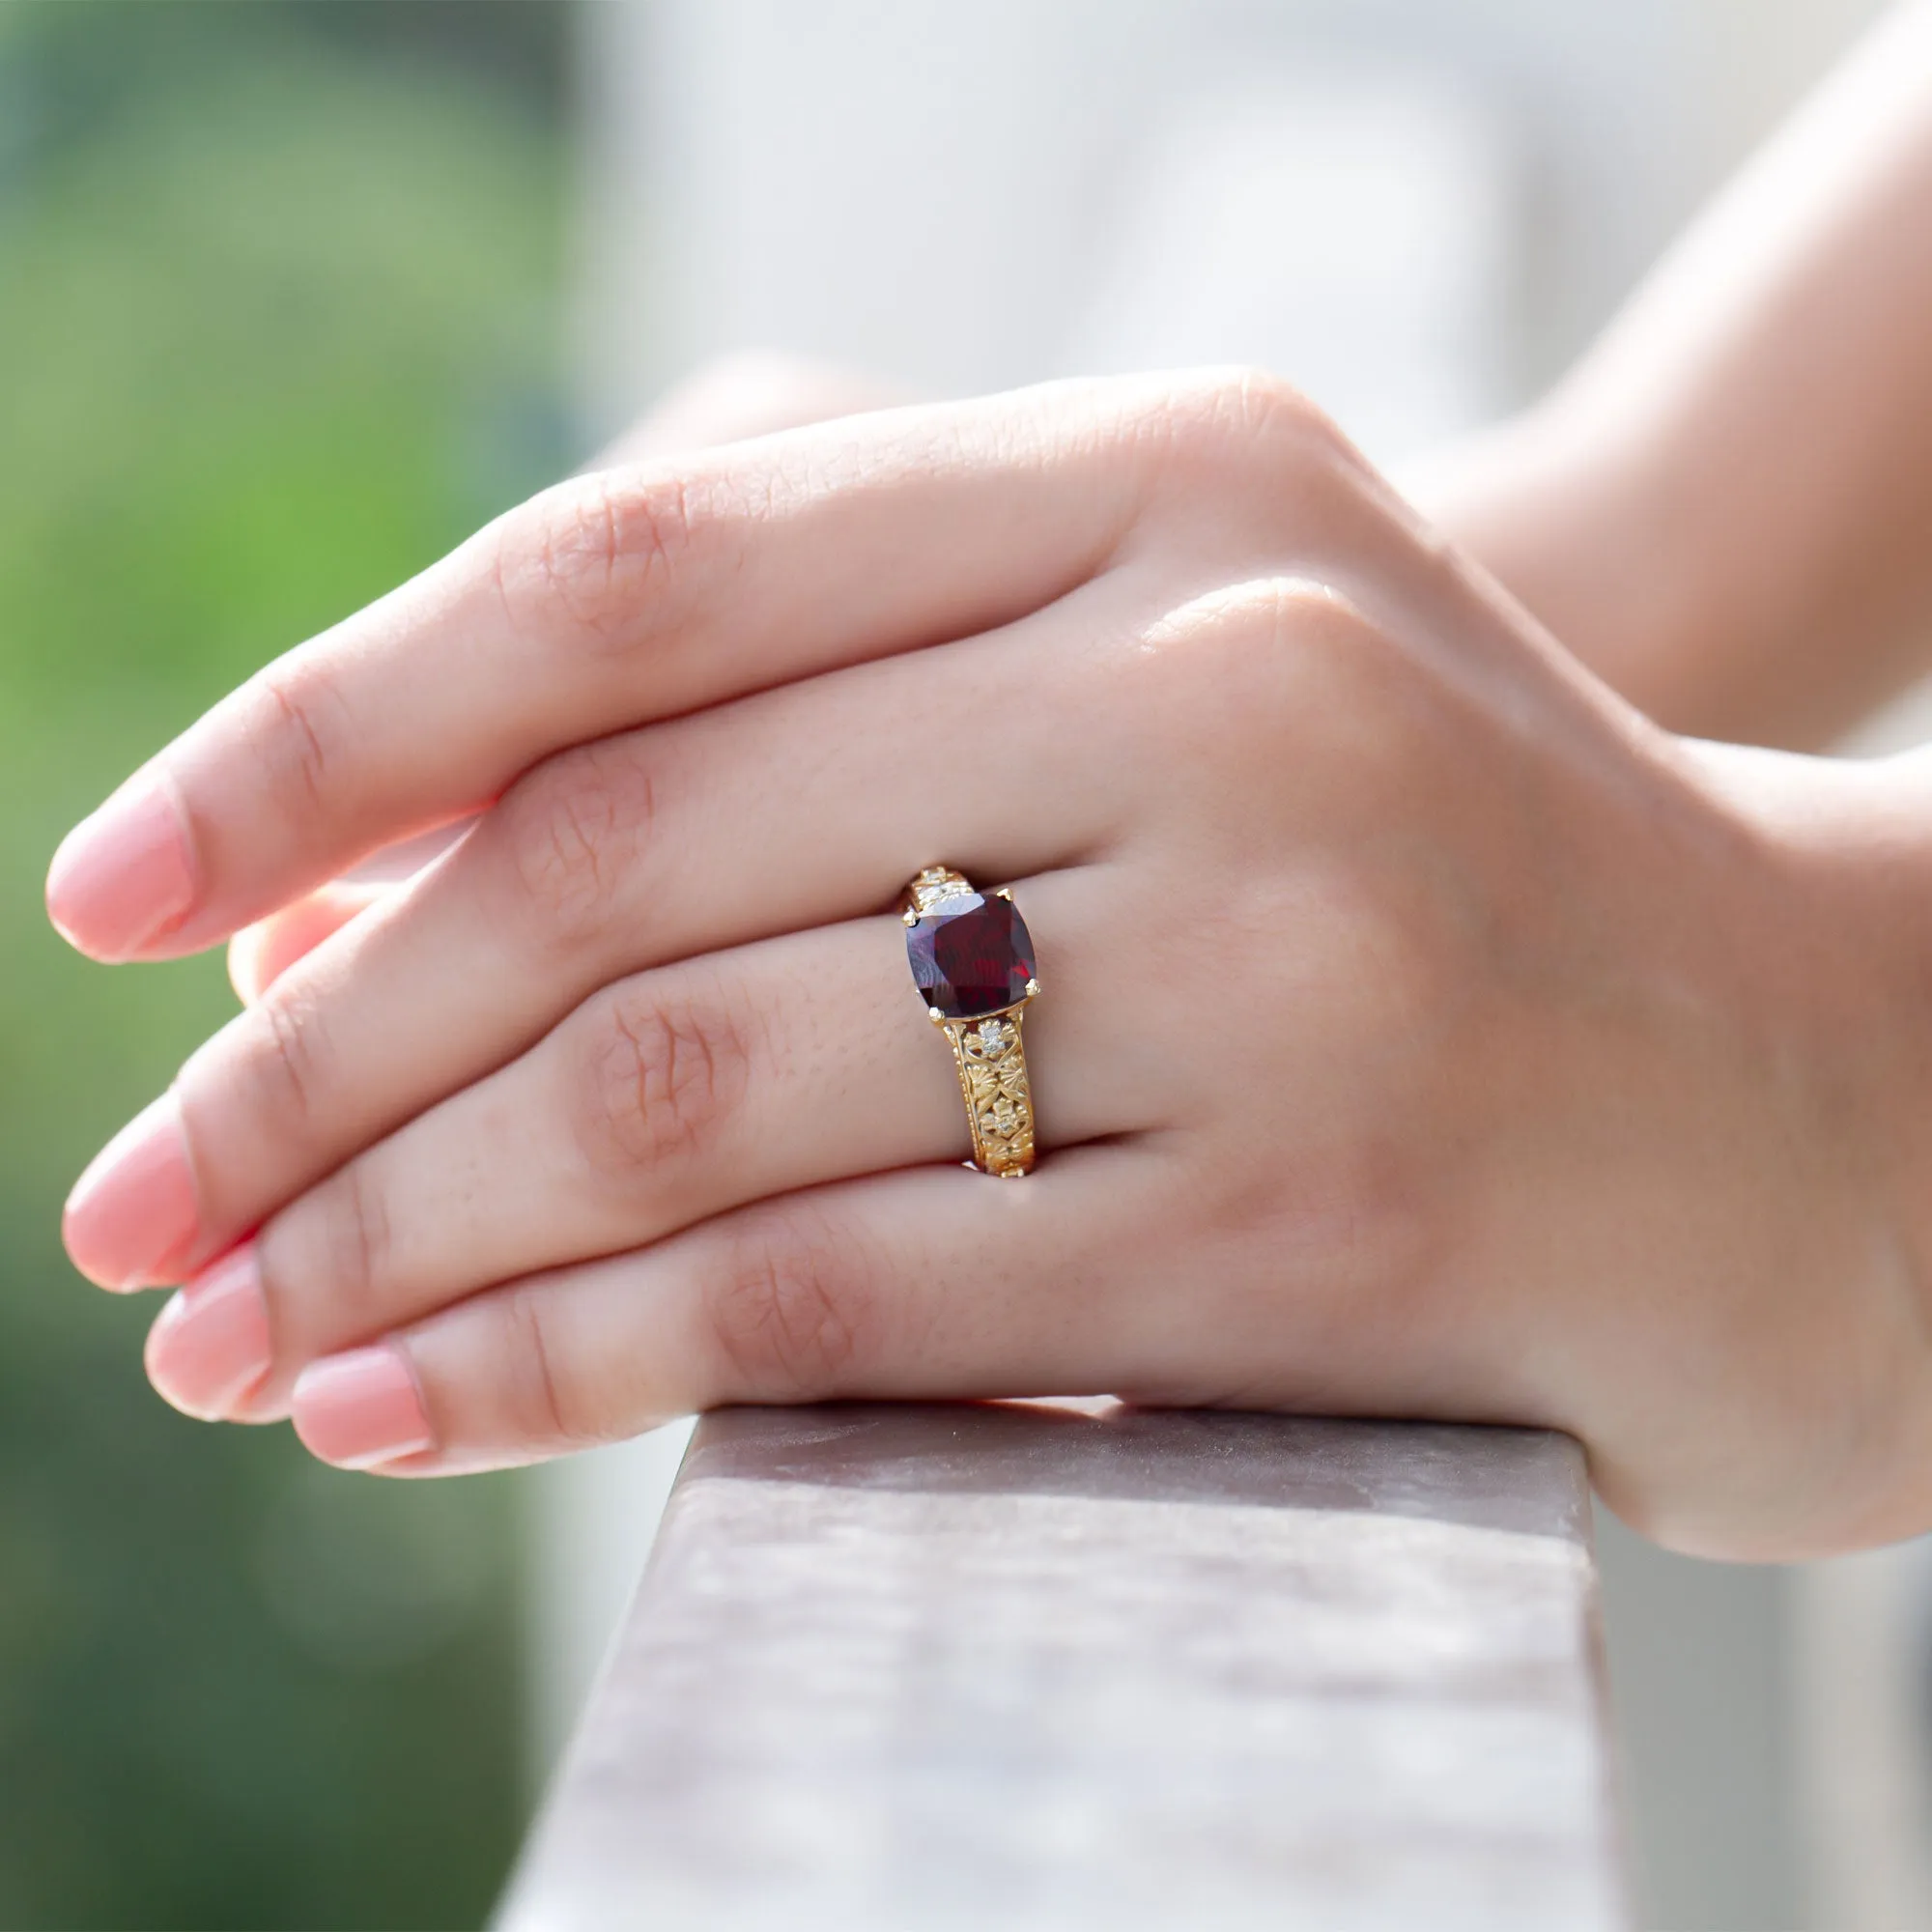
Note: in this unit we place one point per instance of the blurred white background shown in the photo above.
(1418, 210)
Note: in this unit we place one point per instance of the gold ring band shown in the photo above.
(972, 960)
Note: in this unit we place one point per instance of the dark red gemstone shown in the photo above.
(971, 956)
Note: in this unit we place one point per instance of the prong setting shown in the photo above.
(972, 960)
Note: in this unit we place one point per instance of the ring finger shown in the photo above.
(668, 1098)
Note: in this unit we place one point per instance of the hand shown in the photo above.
(1423, 1033)
(726, 400)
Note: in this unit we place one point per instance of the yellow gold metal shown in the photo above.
(988, 1054)
(929, 886)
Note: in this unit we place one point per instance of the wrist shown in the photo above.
(1568, 510)
(1836, 916)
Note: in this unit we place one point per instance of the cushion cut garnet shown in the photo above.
(970, 955)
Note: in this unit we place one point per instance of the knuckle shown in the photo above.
(1239, 415)
(1358, 1219)
(553, 1404)
(302, 747)
(286, 1067)
(1261, 618)
(1266, 658)
(357, 1247)
(574, 828)
(600, 552)
(666, 1071)
(789, 1310)
(327, 1260)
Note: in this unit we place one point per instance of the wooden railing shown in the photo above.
(1022, 1666)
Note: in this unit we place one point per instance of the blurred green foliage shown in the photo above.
(277, 320)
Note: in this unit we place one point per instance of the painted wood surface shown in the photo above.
(1033, 1666)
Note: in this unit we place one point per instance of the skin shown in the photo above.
(1722, 509)
(1425, 1030)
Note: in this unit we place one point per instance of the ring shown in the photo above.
(972, 960)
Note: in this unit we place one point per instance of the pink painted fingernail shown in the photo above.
(133, 1211)
(123, 876)
(210, 1345)
(358, 1409)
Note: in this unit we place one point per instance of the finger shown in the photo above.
(684, 838)
(924, 1283)
(618, 597)
(259, 955)
(673, 1097)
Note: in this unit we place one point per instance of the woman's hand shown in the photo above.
(1422, 1032)
(751, 393)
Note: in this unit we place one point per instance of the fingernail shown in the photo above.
(210, 1345)
(123, 876)
(358, 1409)
(133, 1211)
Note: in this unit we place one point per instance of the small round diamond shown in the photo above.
(989, 1039)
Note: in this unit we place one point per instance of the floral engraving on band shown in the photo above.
(992, 1070)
